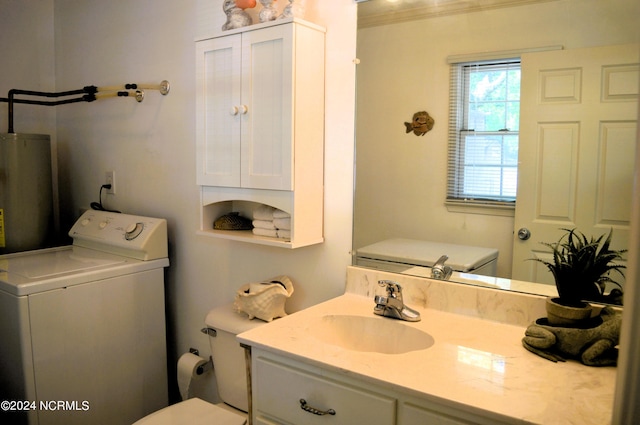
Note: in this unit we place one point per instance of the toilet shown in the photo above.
(223, 324)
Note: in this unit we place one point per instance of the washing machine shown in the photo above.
(82, 327)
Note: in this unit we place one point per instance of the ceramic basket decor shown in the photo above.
(264, 300)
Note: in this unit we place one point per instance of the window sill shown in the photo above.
(480, 208)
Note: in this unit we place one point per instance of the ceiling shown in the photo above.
(381, 12)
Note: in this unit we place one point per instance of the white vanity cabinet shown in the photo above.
(260, 118)
(280, 383)
(476, 371)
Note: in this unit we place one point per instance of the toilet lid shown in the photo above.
(193, 412)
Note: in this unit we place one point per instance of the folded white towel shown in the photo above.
(267, 212)
(265, 232)
(284, 234)
(263, 224)
(263, 212)
(282, 223)
(281, 214)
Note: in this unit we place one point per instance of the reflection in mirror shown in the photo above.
(577, 133)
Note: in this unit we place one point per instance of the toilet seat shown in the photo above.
(193, 412)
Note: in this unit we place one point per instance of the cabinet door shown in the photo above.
(219, 111)
(267, 90)
(412, 414)
(279, 388)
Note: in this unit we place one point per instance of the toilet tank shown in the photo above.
(228, 356)
(399, 254)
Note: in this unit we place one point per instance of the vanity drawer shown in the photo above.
(413, 414)
(278, 389)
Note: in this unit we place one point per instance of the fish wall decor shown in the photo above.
(421, 123)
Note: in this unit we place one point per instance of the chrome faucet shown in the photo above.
(440, 271)
(392, 305)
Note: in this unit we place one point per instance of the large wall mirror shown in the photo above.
(405, 52)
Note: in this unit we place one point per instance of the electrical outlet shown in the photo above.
(110, 178)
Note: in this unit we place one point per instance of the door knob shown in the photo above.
(524, 234)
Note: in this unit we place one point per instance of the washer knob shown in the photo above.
(133, 231)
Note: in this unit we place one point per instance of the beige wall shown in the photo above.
(401, 178)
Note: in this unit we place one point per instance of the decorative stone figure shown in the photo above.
(594, 343)
(268, 12)
(236, 16)
(295, 9)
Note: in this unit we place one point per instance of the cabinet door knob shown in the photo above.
(235, 110)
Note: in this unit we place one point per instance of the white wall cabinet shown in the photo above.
(279, 383)
(260, 118)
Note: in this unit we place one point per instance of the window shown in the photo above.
(484, 119)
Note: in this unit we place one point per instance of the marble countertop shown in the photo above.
(477, 363)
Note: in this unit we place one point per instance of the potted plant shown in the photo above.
(581, 268)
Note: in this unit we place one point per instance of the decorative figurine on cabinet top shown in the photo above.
(422, 123)
(594, 343)
(295, 9)
(268, 12)
(246, 4)
(236, 16)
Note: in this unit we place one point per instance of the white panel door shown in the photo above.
(220, 110)
(577, 144)
(267, 129)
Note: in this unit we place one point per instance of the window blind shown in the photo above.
(484, 113)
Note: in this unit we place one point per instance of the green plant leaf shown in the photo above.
(581, 266)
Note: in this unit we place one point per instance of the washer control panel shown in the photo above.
(143, 238)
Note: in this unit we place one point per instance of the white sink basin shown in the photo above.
(371, 334)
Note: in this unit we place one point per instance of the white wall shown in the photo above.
(401, 178)
(626, 409)
(151, 145)
(26, 46)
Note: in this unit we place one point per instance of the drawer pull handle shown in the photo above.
(307, 408)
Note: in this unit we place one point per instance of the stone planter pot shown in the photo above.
(562, 315)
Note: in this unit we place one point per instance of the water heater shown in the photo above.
(26, 192)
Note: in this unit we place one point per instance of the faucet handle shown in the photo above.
(441, 260)
(393, 288)
(380, 300)
(441, 271)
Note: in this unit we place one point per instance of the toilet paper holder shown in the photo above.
(205, 367)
